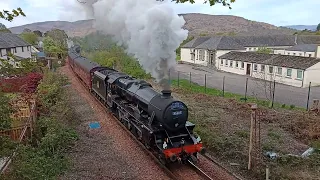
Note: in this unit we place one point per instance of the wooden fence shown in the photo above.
(25, 116)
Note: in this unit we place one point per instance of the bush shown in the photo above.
(45, 157)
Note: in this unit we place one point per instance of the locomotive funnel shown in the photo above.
(166, 93)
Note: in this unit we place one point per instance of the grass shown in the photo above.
(195, 88)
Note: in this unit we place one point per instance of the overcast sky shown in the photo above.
(277, 12)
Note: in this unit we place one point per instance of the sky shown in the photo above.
(277, 12)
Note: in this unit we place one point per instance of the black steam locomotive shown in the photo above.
(156, 119)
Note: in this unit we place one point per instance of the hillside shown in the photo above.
(196, 24)
(303, 27)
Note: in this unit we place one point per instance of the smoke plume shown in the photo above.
(149, 29)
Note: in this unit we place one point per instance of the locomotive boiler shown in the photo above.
(158, 120)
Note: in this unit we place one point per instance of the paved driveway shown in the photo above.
(236, 84)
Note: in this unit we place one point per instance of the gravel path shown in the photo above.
(106, 153)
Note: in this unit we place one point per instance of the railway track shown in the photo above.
(169, 171)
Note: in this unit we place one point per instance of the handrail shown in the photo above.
(7, 163)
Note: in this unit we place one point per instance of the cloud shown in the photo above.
(270, 11)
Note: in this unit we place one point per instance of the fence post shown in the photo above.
(223, 86)
(190, 79)
(205, 83)
(274, 89)
(308, 96)
(178, 78)
(245, 93)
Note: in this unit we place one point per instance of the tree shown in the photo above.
(30, 37)
(52, 47)
(3, 28)
(211, 2)
(60, 37)
(38, 33)
(26, 30)
(318, 27)
(9, 16)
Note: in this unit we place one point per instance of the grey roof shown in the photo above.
(296, 62)
(9, 40)
(304, 48)
(240, 42)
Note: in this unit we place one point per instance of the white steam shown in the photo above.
(149, 29)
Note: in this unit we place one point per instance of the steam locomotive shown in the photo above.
(158, 120)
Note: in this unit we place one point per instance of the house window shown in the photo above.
(0, 53)
(309, 55)
(270, 69)
(22, 49)
(226, 63)
(237, 64)
(15, 50)
(231, 63)
(294, 54)
(221, 63)
(299, 74)
(288, 53)
(289, 72)
(255, 67)
(242, 65)
(262, 68)
(249, 49)
(300, 54)
(279, 71)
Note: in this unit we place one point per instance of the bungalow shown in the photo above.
(290, 70)
(206, 50)
(12, 43)
(304, 50)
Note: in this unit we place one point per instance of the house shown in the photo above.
(290, 70)
(206, 50)
(12, 43)
(304, 50)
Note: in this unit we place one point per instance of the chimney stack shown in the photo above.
(166, 93)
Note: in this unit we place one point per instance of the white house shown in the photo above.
(291, 70)
(206, 50)
(304, 50)
(12, 43)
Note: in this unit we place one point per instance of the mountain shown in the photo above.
(303, 27)
(196, 23)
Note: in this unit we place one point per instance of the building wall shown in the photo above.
(300, 53)
(318, 52)
(269, 47)
(232, 69)
(186, 56)
(280, 76)
(26, 53)
(312, 75)
(279, 51)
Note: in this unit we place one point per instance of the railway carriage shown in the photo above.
(157, 119)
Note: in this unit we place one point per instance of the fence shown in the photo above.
(246, 88)
(19, 133)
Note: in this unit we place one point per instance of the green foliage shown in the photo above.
(264, 50)
(6, 146)
(49, 90)
(318, 27)
(4, 29)
(45, 157)
(9, 16)
(110, 55)
(29, 37)
(23, 67)
(5, 111)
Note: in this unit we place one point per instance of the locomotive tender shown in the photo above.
(158, 120)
